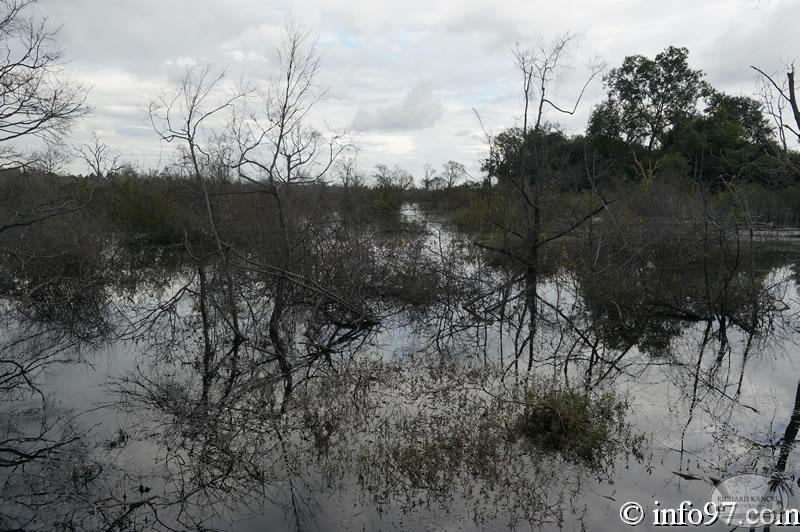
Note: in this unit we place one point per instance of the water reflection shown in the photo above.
(370, 406)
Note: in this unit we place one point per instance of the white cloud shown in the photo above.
(420, 108)
(371, 52)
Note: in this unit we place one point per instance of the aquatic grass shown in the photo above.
(581, 427)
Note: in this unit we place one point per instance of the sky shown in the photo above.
(404, 77)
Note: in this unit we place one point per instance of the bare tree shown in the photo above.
(270, 146)
(53, 160)
(278, 150)
(428, 176)
(101, 159)
(348, 173)
(35, 99)
(539, 68)
(542, 67)
(277, 146)
(220, 160)
(776, 96)
(395, 178)
(452, 172)
(787, 94)
(185, 115)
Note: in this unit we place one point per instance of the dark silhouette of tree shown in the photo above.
(101, 159)
(452, 173)
(53, 160)
(35, 99)
(525, 161)
(777, 96)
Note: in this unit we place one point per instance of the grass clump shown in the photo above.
(581, 428)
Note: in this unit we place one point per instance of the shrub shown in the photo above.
(565, 420)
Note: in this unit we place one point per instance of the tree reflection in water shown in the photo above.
(401, 410)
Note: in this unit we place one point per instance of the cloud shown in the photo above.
(419, 109)
(372, 52)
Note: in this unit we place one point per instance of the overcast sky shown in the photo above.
(404, 75)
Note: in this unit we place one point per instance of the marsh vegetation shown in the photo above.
(263, 335)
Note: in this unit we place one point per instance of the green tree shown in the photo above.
(647, 97)
(731, 139)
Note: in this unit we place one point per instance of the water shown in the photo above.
(408, 426)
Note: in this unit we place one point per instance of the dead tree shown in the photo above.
(53, 160)
(776, 97)
(539, 69)
(452, 172)
(35, 100)
(278, 150)
(787, 92)
(182, 116)
(101, 159)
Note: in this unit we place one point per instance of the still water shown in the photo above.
(415, 426)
